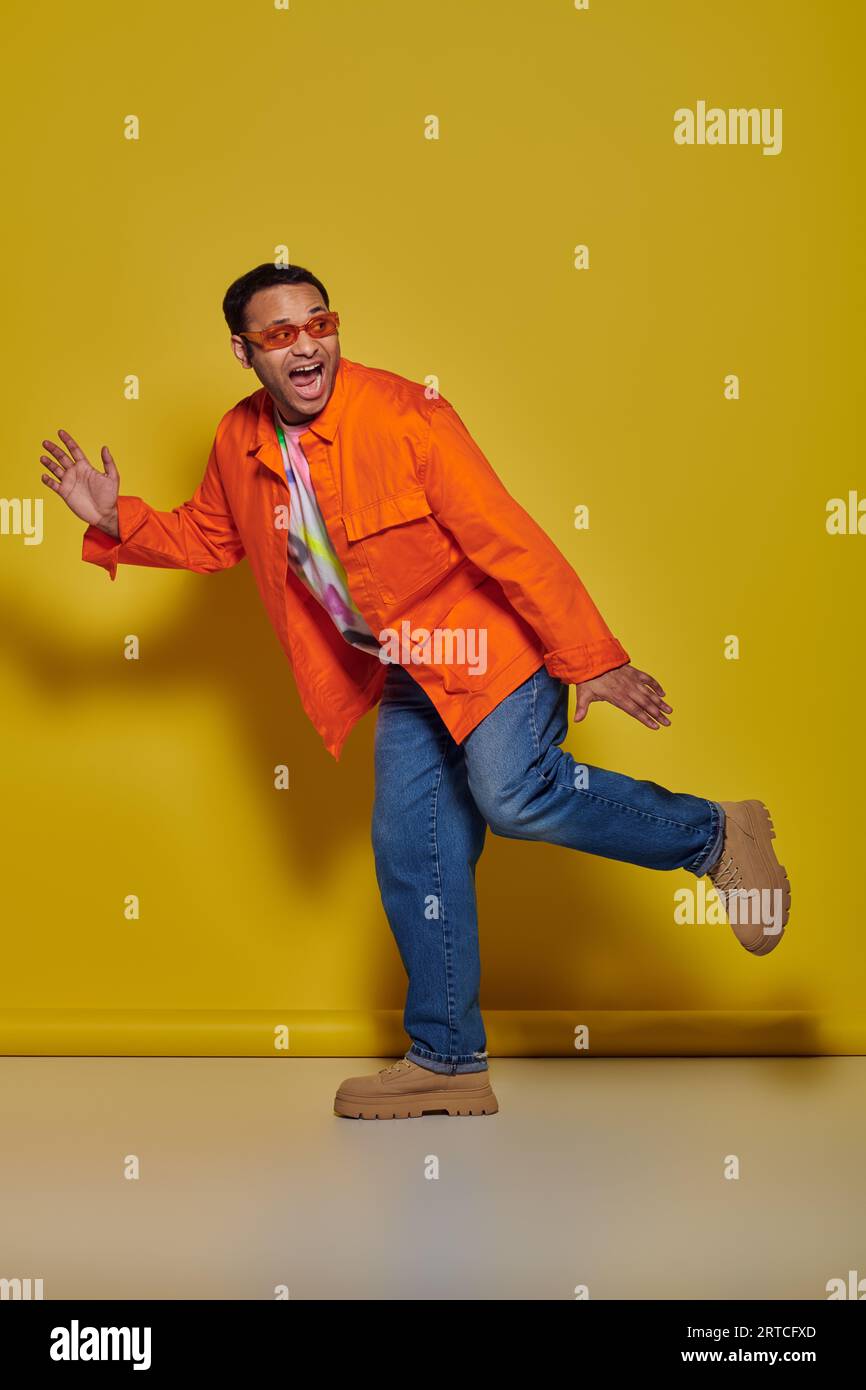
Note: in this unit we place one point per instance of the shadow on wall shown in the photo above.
(558, 930)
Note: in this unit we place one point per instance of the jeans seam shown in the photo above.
(442, 909)
(533, 718)
(716, 814)
(459, 1059)
(620, 806)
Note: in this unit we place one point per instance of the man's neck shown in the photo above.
(287, 424)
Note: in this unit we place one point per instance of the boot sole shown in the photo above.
(413, 1107)
(764, 831)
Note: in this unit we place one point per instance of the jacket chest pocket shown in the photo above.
(404, 547)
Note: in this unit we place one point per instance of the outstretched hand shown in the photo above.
(91, 495)
(629, 689)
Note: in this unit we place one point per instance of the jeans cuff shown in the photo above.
(712, 850)
(434, 1061)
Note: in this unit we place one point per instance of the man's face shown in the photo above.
(300, 396)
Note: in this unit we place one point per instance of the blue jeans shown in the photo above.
(434, 801)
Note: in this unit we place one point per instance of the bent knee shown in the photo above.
(507, 809)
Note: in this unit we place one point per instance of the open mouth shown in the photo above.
(308, 381)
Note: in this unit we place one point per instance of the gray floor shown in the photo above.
(608, 1173)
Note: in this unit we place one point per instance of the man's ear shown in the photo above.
(241, 350)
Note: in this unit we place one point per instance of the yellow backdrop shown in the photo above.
(603, 383)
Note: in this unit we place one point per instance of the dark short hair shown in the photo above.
(241, 291)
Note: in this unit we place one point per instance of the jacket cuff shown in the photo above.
(99, 548)
(575, 664)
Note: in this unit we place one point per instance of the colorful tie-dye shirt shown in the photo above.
(310, 552)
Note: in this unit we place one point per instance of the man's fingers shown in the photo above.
(656, 707)
(648, 693)
(56, 452)
(656, 693)
(581, 706)
(649, 680)
(74, 448)
(645, 718)
(51, 482)
(56, 468)
(108, 462)
(634, 709)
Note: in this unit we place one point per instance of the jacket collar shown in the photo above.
(324, 424)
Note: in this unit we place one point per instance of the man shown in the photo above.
(397, 570)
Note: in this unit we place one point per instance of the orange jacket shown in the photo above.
(426, 532)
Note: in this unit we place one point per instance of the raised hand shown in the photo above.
(91, 495)
(629, 689)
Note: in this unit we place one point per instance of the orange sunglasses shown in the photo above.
(281, 335)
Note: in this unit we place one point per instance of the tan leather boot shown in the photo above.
(749, 879)
(404, 1091)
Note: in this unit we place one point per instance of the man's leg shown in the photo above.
(527, 787)
(427, 837)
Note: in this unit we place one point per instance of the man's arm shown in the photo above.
(199, 535)
(503, 540)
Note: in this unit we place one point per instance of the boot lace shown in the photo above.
(395, 1067)
(726, 877)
